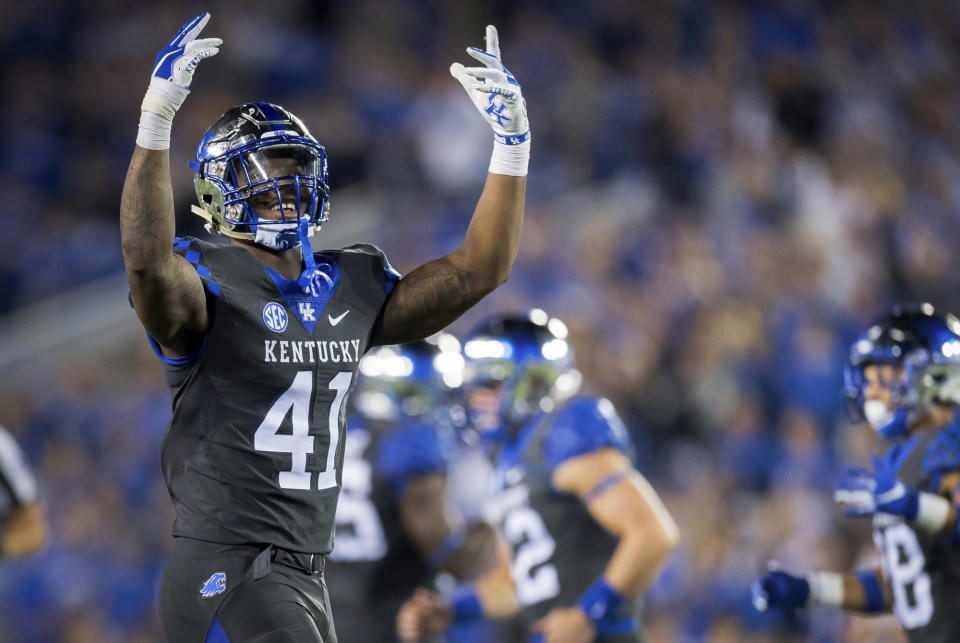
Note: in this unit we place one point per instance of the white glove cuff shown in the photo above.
(826, 588)
(510, 159)
(932, 512)
(163, 97)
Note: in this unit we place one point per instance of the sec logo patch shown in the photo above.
(275, 317)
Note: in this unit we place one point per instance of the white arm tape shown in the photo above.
(826, 588)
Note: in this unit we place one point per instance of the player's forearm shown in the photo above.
(493, 237)
(146, 213)
(638, 558)
(865, 591)
(495, 588)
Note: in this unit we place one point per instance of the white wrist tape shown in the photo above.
(826, 588)
(159, 106)
(154, 132)
(932, 512)
(511, 160)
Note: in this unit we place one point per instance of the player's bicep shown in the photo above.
(171, 304)
(427, 300)
(615, 494)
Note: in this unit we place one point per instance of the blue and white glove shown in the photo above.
(170, 81)
(779, 589)
(878, 491)
(496, 94)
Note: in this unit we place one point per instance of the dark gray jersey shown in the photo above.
(559, 550)
(253, 452)
(923, 569)
(375, 566)
(17, 484)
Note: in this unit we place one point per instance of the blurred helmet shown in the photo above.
(408, 381)
(261, 154)
(925, 346)
(529, 354)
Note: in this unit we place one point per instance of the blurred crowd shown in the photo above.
(720, 195)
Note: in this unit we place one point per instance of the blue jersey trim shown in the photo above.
(322, 289)
(216, 634)
(183, 359)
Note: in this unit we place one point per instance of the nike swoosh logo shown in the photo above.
(336, 320)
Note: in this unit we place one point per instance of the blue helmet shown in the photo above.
(926, 344)
(261, 155)
(529, 354)
(409, 381)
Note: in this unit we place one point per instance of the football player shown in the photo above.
(260, 337)
(392, 528)
(587, 532)
(903, 379)
(23, 525)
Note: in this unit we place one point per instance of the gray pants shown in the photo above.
(214, 593)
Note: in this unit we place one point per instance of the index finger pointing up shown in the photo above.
(493, 42)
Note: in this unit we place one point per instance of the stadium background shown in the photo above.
(720, 194)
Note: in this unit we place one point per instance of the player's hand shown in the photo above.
(177, 61)
(867, 492)
(564, 625)
(422, 615)
(779, 589)
(495, 92)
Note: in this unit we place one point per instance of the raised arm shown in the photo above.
(438, 292)
(165, 289)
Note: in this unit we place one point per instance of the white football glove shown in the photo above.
(496, 94)
(170, 81)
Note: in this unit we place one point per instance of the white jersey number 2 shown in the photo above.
(299, 443)
(533, 546)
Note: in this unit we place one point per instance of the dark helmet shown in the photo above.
(926, 344)
(261, 149)
(529, 353)
(408, 381)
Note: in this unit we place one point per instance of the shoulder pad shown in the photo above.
(583, 425)
(411, 451)
(192, 250)
(943, 454)
(391, 275)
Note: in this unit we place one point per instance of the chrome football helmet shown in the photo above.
(530, 355)
(261, 156)
(408, 381)
(924, 345)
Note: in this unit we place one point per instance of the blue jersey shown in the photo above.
(558, 549)
(923, 569)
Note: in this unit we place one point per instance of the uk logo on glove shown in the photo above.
(495, 92)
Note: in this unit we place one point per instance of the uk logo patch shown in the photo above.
(216, 584)
(275, 317)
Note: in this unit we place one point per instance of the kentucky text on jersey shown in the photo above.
(311, 352)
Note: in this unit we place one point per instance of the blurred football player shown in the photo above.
(903, 379)
(261, 337)
(393, 531)
(23, 525)
(587, 532)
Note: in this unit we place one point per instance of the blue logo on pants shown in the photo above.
(216, 584)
